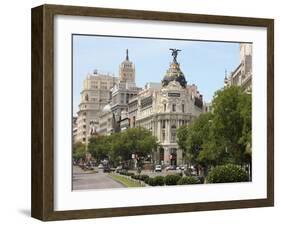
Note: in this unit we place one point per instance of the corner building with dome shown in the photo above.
(164, 107)
(159, 107)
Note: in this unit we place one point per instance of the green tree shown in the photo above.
(100, 147)
(192, 138)
(119, 147)
(232, 124)
(223, 135)
(79, 151)
(139, 141)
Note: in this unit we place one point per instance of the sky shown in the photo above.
(203, 63)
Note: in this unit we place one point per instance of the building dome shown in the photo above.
(106, 108)
(174, 73)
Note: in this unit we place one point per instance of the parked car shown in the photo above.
(100, 166)
(106, 170)
(89, 166)
(158, 168)
(171, 167)
(118, 169)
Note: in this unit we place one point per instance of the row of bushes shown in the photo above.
(140, 177)
(175, 179)
(220, 174)
(126, 173)
(172, 180)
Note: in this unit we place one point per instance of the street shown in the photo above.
(88, 180)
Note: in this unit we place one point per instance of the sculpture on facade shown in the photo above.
(175, 54)
(174, 73)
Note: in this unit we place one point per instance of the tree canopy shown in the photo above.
(222, 135)
(119, 147)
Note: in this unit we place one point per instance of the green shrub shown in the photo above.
(188, 180)
(135, 177)
(172, 179)
(143, 177)
(151, 181)
(159, 181)
(226, 174)
(146, 180)
(130, 174)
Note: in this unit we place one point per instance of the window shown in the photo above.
(86, 97)
(163, 136)
(173, 137)
(165, 107)
(163, 124)
(174, 107)
(182, 108)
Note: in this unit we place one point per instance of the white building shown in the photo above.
(164, 108)
(242, 75)
(159, 107)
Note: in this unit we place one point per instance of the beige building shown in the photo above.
(95, 94)
(113, 117)
(123, 91)
(242, 75)
(162, 108)
(158, 107)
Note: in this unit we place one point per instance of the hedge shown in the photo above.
(158, 181)
(172, 179)
(227, 173)
(188, 180)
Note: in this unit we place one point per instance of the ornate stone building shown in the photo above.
(94, 96)
(242, 75)
(113, 117)
(163, 108)
(123, 91)
(158, 107)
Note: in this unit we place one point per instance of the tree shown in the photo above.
(223, 135)
(191, 138)
(99, 147)
(232, 123)
(79, 151)
(119, 147)
(138, 141)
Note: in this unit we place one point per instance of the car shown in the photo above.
(106, 170)
(158, 168)
(118, 169)
(100, 166)
(171, 167)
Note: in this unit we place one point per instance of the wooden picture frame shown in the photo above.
(42, 203)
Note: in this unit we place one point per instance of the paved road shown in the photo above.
(87, 180)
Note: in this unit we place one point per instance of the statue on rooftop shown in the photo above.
(175, 54)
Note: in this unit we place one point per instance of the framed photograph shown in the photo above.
(142, 112)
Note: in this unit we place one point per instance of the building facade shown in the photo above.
(122, 92)
(159, 107)
(242, 75)
(95, 95)
(162, 108)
